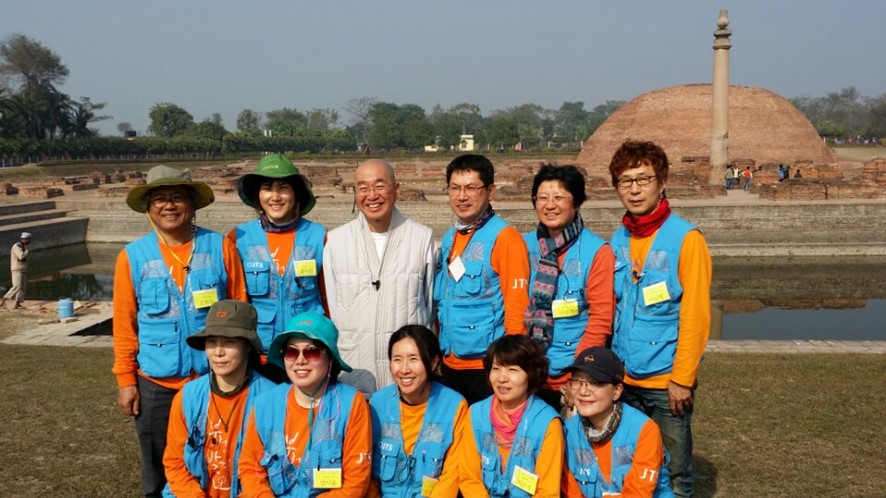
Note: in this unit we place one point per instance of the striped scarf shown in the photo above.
(539, 317)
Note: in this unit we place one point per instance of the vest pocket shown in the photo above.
(652, 345)
(471, 283)
(473, 332)
(387, 466)
(258, 275)
(431, 463)
(281, 472)
(158, 348)
(153, 296)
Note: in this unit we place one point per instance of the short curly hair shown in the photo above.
(520, 351)
(634, 154)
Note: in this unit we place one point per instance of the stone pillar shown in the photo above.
(720, 94)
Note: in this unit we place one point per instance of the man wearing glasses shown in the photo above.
(164, 285)
(378, 270)
(481, 287)
(662, 289)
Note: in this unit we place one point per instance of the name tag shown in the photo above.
(564, 308)
(204, 298)
(524, 480)
(656, 293)
(327, 478)
(427, 485)
(457, 268)
(306, 268)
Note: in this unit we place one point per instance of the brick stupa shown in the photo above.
(763, 128)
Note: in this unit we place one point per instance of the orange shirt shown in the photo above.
(223, 422)
(694, 272)
(411, 420)
(356, 450)
(126, 307)
(549, 464)
(600, 293)
(280, 246)
(510, 260)
(641, 480)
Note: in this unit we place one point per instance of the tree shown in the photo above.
(210, 128)
(396, 126)
(322, 120)
(286, 122)
(249, 122)
(32, 64)
(82, 114)
(359, 109)
(169, 120)
(123, 127)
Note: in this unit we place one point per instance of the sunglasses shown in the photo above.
(311, 353)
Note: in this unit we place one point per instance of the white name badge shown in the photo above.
(306, 268)
(457, 268)
(204, 298)
(656, 293)
(564, 308)
(524, 480)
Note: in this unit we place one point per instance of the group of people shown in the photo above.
(497, 364)
(734, 176)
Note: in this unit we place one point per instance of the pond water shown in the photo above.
(752, 298)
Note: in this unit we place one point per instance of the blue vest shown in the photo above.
(166, 316)
(327, 438)
(277, 299)
(583, 463)
(571, 285)
(524, 452)
(195, 407)
(645, 337)
(400, 474)
(470, 311)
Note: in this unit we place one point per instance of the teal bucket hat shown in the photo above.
(276, 167)
(311, 326)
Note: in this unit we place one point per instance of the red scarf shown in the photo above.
(646, 225)
(505, 424)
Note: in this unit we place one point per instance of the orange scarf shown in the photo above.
(505, 424)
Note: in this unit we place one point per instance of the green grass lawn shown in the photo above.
(765, 425)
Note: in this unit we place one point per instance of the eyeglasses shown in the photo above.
(469, 190)
(378, 188)
(591, 385)
(641, 181)
(310, 353)
(175, 199)
(558, 199)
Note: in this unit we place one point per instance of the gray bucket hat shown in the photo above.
(228, 318)
(164, 176)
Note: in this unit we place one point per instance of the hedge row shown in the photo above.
(90, 148)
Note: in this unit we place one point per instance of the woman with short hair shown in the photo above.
(571, 289)
(513, 441)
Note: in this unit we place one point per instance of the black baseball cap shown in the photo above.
(601, 364)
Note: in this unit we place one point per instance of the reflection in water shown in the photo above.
(752, 298)
(799, 298)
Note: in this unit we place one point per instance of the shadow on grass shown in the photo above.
(705, 477)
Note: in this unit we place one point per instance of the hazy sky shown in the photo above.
(224, 56)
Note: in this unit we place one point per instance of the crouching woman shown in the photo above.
(312, 437)
(208, 416)
(612, 449)
(513, 441)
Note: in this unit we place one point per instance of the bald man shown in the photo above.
(379, 272)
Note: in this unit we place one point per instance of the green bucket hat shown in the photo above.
(276, 167)
(228, 318)
(164, 176)
(311, 326)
